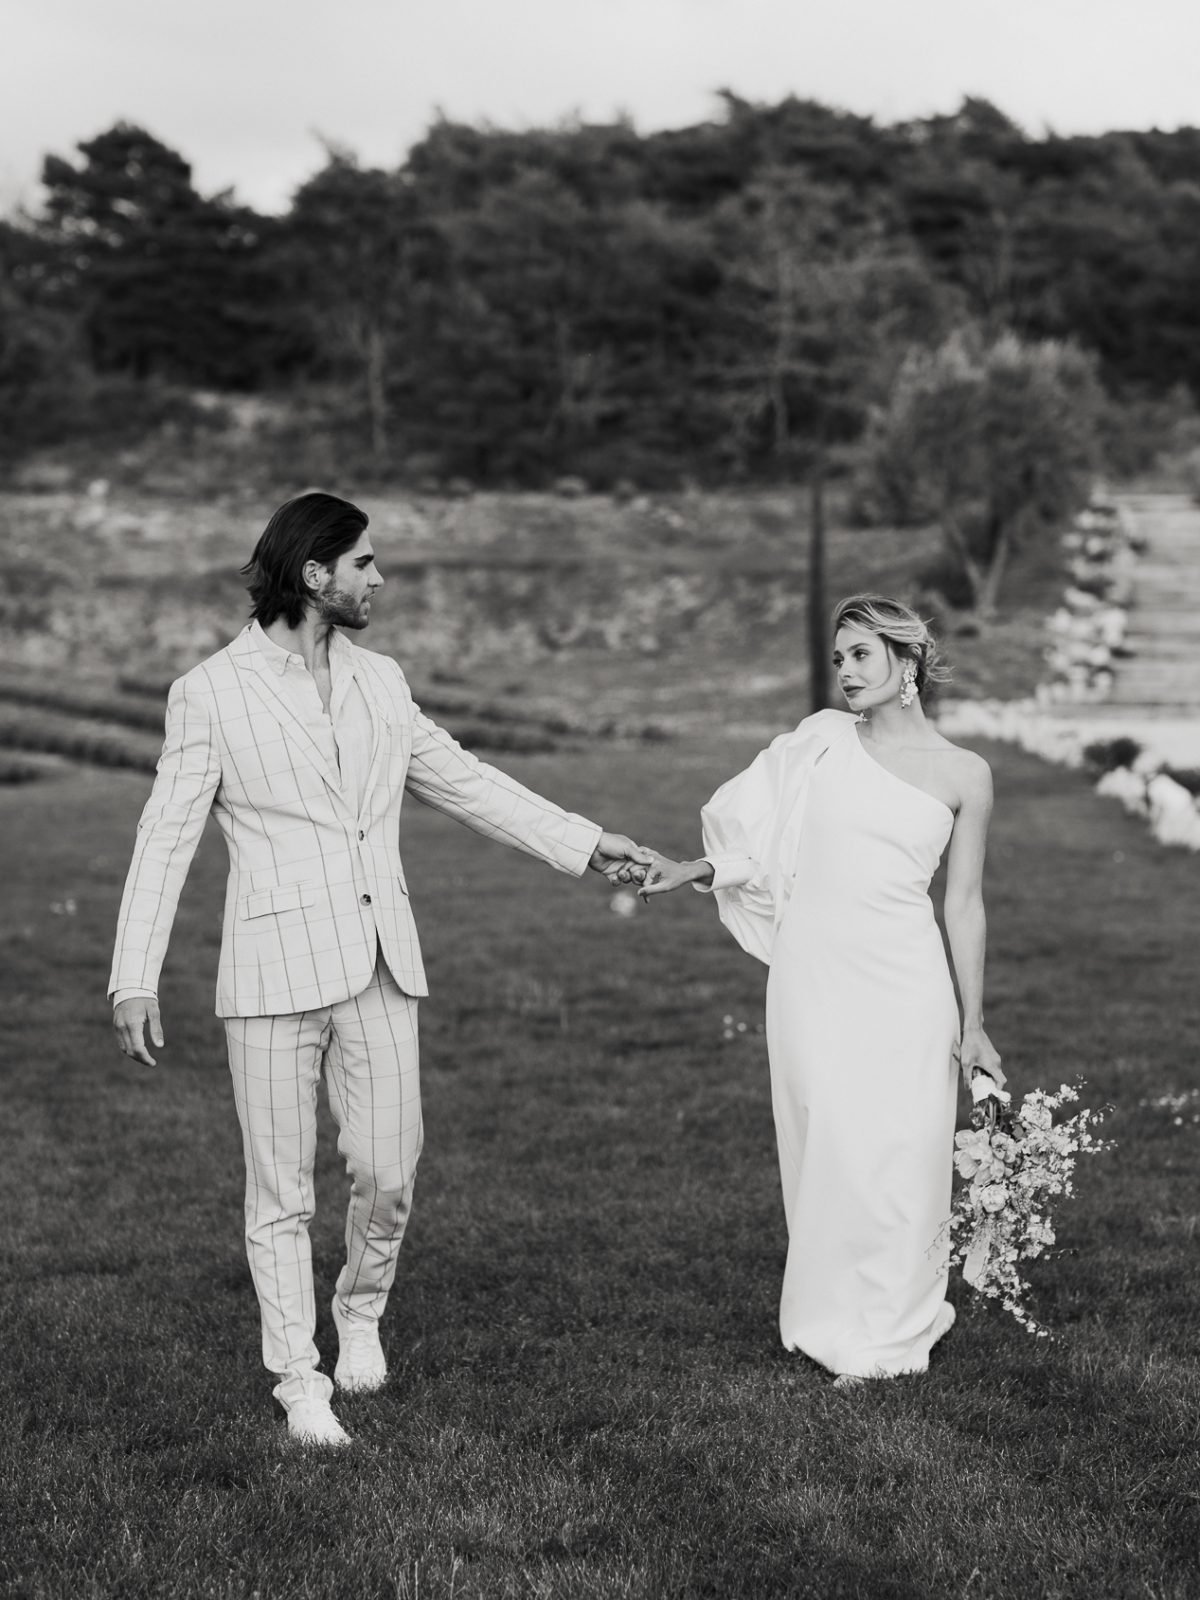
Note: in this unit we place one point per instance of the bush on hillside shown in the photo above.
(994, 440)
(1186, 777)
(14, 771)
(1106, 755)
(1146, 433)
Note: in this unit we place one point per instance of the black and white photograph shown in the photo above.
(600, 800)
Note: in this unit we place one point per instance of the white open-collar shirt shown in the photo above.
(345, 734)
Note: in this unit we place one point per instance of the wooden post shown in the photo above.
(818, 607)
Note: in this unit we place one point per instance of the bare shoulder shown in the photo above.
(972, 774)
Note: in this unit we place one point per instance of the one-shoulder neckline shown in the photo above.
(879, 766)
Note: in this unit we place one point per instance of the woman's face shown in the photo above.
(868, 672)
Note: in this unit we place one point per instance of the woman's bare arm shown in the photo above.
(966, 920)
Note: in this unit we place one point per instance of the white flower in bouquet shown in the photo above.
(1015, 1164)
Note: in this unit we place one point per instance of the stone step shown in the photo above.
(1174, 694)
(1175, 634)
(1157, 693)
(1116, 719)
(1152, 688)
(1187, 709)
(1160, 666)
(1155, 682)
(1162, 674)
(1172, 689)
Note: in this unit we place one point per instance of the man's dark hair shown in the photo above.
(312, 527)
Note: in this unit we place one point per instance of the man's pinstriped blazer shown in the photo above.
(315, 890)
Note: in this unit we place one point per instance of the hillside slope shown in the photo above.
(687, 607)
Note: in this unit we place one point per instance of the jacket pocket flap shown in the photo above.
(281, 897)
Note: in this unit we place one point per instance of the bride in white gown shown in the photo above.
(820, 855)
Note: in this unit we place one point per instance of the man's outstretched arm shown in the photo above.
(443, 775)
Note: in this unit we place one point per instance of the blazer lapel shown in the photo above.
(266, 685)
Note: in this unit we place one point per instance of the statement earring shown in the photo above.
(908, 685)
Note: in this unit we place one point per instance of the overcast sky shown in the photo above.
(245, 89)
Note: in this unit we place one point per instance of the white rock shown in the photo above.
(1126, 786)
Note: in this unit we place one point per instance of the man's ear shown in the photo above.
(310, 576)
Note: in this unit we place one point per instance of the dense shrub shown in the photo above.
(1106, 755)
(13, 771)
(588, 302)
(1187, 777)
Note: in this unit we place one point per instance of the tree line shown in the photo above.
(730, 300)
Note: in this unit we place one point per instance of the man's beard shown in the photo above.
(341, 609)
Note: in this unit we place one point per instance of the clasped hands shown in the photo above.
(623, 861)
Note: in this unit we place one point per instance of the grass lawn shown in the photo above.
(588, 1397)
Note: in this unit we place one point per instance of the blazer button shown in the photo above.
(366, 899)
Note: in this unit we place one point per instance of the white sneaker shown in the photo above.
(361, 1367)
(312, 1421)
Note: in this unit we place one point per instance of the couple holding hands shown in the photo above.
(819, 855)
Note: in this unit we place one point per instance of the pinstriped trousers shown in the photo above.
(368, 1048)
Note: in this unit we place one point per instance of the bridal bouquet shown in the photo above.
(1016, 1163)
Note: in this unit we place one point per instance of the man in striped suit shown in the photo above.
(303, 747)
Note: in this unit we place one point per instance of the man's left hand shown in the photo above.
(619, 859)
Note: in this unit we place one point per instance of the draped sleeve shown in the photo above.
(750, 828)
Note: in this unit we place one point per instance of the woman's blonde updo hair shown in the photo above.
(901, 628)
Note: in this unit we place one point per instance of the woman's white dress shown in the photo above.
(822, 861)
